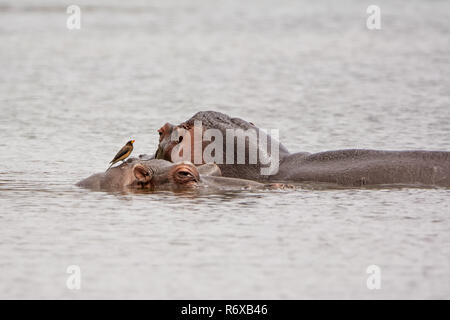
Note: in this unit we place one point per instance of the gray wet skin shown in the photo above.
(348, 168)
(155, 174)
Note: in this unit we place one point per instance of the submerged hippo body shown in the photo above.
(358, 167)
(350, 168)
(158, 175)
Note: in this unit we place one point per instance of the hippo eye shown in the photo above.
(180, 139)
(184, 174)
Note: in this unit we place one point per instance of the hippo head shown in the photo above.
(146, 174)
(186, 136)
(239, 148)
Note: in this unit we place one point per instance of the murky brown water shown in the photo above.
(70, 99)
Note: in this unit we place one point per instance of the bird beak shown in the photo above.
(132, 141)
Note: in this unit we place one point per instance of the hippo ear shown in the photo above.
(142, 173)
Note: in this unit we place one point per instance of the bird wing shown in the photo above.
(121, 153)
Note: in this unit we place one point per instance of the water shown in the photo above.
(70, 99)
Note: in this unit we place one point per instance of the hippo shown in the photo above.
(343, 168)
(153, 174)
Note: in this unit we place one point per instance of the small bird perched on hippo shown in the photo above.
(123, 153)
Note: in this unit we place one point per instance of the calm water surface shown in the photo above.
(70, 99)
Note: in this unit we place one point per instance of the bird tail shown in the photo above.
(110, 166)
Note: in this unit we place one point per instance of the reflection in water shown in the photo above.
(70, 98)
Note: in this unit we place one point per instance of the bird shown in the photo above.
(123, 153)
